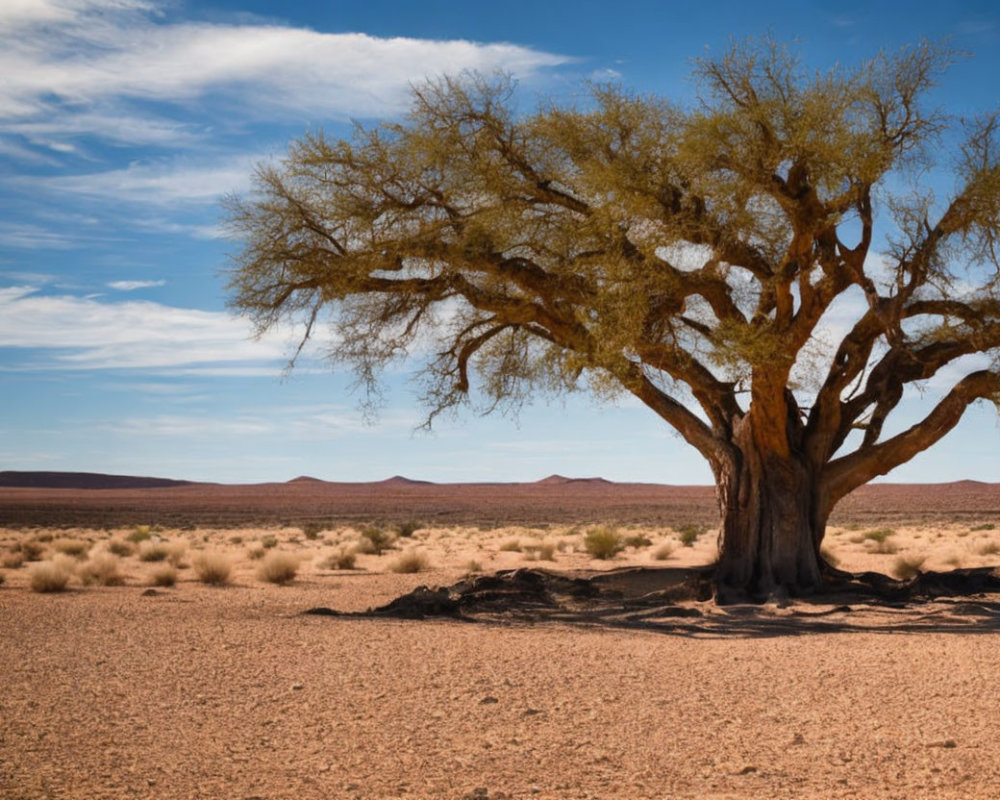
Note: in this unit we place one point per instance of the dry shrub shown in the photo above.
(547, 550)
(638, 541)
(101, 569)
(664, 551)
(256, 553)
(121, 547)
(344, 558)
(32, 550)
(908, 565)
(380, 539)
(151, 551)
(278, 567)
(212, 567)
(163, 575)
(473, 567)
(71, 547)
(988, 549)
(603, 542)
(11, 561)
(511, 546)
(51, 576)
(410, 561)
(140, 534)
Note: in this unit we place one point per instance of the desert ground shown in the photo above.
(142, 678)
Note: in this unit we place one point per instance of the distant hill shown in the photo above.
(82, 480)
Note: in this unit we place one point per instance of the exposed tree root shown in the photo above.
(680, 601)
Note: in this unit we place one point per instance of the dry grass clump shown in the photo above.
(140, 534)
(908, 565)
(664, 551)
(688, 534)
(344, 558)
(101, 569)
(638, 541)
(510, 546)
(71, 547)
(256, 553)
(120, 547)
(151, 551)
(989, 548)
(32, 550)
(51, 576)
(11, 560)
(212, 567)
(163, 575)
(603, 542)
(278, 567)
(379, 539)
(410, 561)
(473, 566)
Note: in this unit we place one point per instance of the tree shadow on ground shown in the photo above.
(679, 602)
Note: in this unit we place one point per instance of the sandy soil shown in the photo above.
(197, 691)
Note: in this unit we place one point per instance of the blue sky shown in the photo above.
(122, 122)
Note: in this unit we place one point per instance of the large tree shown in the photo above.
(702, 258)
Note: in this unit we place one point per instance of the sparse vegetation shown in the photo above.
(212, 567)
(140, 534)
(32, 549)
(312, 530)
(882, 540)
(256, 553)
(908, 565)
(380, 539)
(510, 546)
(603, 542)
(410, 561)
(638, 541)
(50, 576)
(473, 566)
(344, 558)
(408, 528)
(154, 551)
(986, 526)
(269, 542)
(71, 547)
(101, 569)
(664, 551)
(989, 548)
(278, 567)
(163, 575)
(688, 534)
(120, 547)
(11, 560)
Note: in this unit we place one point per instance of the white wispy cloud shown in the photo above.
(76, 66)
(131, 286)
(71, 332)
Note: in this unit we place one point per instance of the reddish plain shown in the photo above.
(230, 691)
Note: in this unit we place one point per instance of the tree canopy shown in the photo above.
(702, 258)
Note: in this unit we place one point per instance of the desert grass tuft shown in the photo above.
(32, 549)
(51, 576)
(212, 567)
(908, 565)
(664, 551)
(121, 547)
(278, 567)
(141, 534)
(152, 552)
(11, 560)
(603, 542)
(71, 547)
(163, 575)
(344, 558)
(473, 566)
(256, 553)
(638, 541)
(410, 561)
(989, 548)
(379, 538)
(511, 546)
(101, 569)
(688, 534)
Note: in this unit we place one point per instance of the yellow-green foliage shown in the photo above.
(603, 542)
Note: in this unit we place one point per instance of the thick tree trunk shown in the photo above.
(773, 520)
